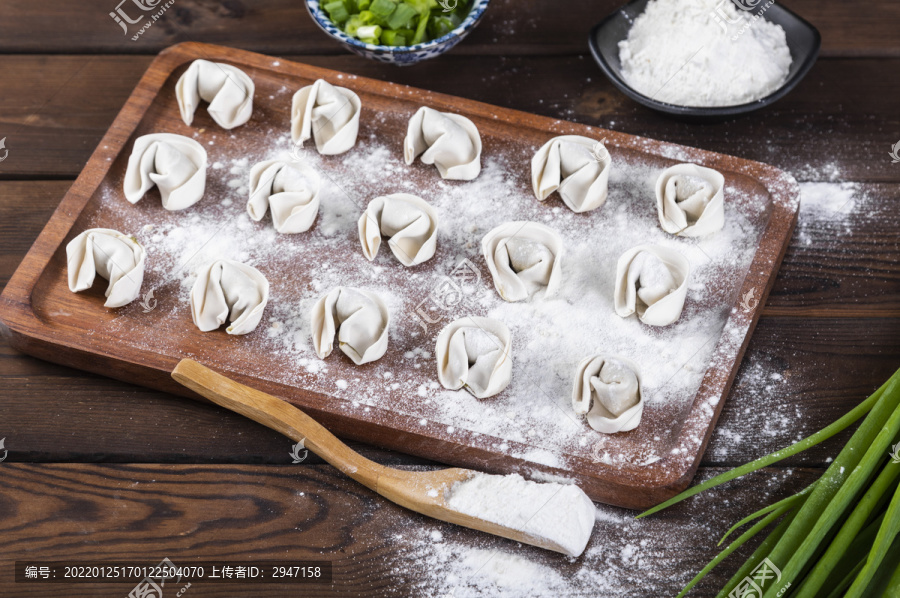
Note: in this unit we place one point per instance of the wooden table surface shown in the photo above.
(99, 469)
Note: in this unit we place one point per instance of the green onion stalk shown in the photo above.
(840, 536)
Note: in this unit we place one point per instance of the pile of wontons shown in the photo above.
(524, 258)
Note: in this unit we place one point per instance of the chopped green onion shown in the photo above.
(337, 11)
(393, 38)
(353, 25)
(419, 36)
(440, 26)
(422, 6)
(369, 34)
(402, 17)
(410, 21)
(383, 8)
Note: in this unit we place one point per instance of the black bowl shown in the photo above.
(802, 38)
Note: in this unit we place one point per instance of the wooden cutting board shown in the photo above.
(142, 346)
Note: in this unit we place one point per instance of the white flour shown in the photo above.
(703, 53)
(561, 513)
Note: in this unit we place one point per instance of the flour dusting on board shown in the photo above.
(533, 419)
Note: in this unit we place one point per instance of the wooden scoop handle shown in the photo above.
(279, 415)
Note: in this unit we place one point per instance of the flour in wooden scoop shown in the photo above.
(560, 513)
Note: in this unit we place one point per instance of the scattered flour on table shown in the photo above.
(561, 513)
(625, 558)
(830, 203)
(828, 199)
(679, 52)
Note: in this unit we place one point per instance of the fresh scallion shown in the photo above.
(839, 535)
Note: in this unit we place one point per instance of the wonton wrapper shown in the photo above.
(474, 353)
(690, 200)
(328, 114)
(608, 390)
(116, 257)
(290, 189)
(449, 141)
(175, 164)
(578, 167)
(360, 319)
(229, 290)
(523, 258)
(652, 281)
(408, 221)
(228, 90)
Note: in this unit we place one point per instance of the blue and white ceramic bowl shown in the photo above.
(400, 55)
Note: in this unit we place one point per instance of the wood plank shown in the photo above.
(511, 27)
(311, 512)
(844, 258)
(849, 102)
(798, 376)
(24, 210)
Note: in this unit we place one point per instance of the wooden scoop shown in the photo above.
(423, 492)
